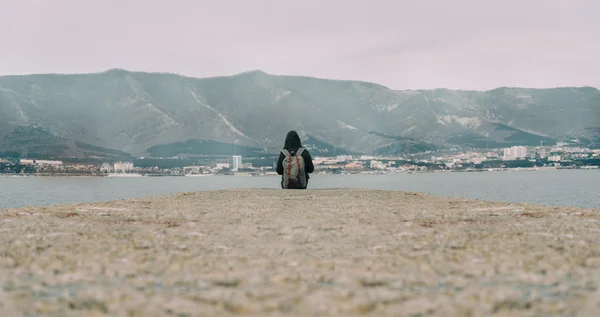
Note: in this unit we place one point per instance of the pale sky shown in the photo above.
(402, 44)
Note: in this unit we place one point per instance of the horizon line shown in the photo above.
(284, 75)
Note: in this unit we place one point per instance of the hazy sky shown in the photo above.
(466, 44)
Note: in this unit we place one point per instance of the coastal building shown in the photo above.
(344, 158)
(221, 166)
(492, 155)
(354, 165)
(106, 168)
(316, 160)
(378, 165)
(329, 166)
(478, 160)
(40, 162)
(47, 162)
(514, 153)
(542, 152)
(193, 170)
(508, 155)
(237, 163)
(554, 158)
(519, 151)
(123, 167)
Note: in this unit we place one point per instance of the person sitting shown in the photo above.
(294, 163)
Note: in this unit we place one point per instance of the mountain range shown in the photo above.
(118, 113)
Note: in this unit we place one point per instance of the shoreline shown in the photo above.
(100, 190)
(317, 171)
(334, 252)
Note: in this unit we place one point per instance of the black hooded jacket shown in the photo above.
(292, 144)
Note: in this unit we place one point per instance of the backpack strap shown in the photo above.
(298, 155)
(289, 169)
(286, 153)
(298, 162)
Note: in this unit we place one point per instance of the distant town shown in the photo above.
(560, 156)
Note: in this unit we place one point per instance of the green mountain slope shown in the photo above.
(37, 143)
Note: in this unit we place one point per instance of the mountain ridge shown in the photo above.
(125, 70)
(136, 111)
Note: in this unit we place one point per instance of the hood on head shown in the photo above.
(292, 140)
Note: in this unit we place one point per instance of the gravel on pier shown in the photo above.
(343, 252)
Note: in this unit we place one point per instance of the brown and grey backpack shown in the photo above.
(294, 176)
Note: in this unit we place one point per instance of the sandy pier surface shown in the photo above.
(300, 253)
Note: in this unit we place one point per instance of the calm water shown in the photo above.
(558, 187)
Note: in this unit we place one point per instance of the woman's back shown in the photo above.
(292, 145)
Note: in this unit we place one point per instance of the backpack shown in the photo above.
(293, 170)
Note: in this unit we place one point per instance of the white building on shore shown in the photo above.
(377, 165)
(40, 162)
(344, 158)
(106, 168)
(514, 153)
(48, 162)
(554, 158)
(237, 163)
(123, 167)
(221, 166)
